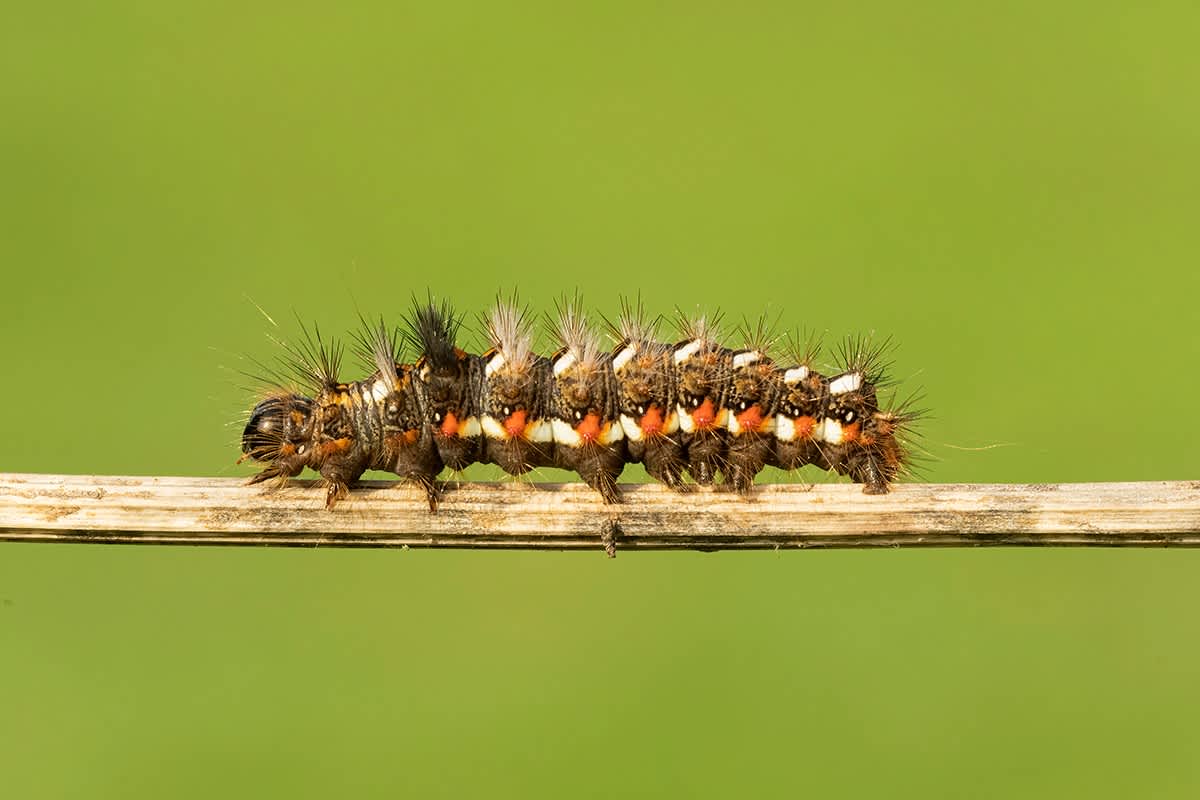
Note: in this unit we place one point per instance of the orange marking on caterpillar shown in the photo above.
(804, 426)
(514, 423)
(449, 425)
(336, 446)
(651, 422)
(751, 419)
(410, 437)
(705, 415)
(589, 429)
(850, 433)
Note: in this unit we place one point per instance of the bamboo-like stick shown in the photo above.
(163, 510)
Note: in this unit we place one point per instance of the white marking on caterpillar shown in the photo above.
(492, 428)
(564, 363)
(785, 428)
(688, 350)
(611, 432)
(850, 382)
(672, 423)
(746, 359)
(565, 434)
(469, 427)
(633, 431)
(539, 431)
(685, 419)
(624, 357)
(795, 375)
(830, 431)
(380, 390)
(496, 362)
(767, 426)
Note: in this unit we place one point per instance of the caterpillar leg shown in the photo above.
(432, 492)
(669, 474)
(663, 459)
(336, 490)
(741, 478)
(277, 469)
(606, 484)
(266, 475)
(868, 472)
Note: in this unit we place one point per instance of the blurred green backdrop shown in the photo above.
(1009, 192)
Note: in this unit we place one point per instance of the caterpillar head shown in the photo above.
(279, 428)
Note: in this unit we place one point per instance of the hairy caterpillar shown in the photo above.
(692, 409)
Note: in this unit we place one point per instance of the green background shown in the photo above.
(1010, 193)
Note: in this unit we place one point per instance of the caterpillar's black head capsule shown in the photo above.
(277, 425)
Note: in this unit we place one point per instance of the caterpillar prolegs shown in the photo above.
(694, 409)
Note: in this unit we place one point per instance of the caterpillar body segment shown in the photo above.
(703, 369)
(644, 372)
(800, 407)
(859, 439)
(517, 395)
(584, 413)
(451, 381)
(755, 387)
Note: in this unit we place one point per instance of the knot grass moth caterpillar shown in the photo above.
(689, 410)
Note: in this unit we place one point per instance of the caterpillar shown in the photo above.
(689, 410)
